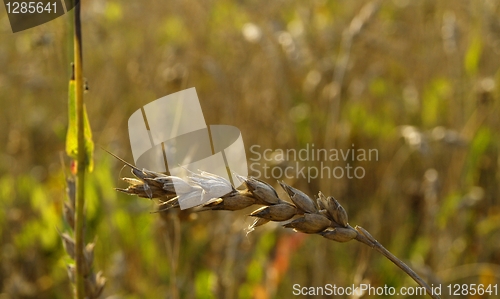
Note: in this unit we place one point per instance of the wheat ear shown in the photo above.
(325, 216)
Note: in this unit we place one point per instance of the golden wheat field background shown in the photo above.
(417, 81)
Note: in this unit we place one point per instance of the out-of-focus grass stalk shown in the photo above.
(81, 160)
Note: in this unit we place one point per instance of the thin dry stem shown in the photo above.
(377, 246)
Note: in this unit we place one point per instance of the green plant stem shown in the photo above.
(80, 199)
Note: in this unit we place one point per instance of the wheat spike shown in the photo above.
(325, 217)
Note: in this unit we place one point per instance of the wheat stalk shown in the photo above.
(87, 284)
(325, 217)
(93, 283)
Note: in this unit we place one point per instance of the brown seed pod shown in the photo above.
(340, 234)
(262, 191)
(279, 212)
(229, 203)
(324, 213)
(337, 212)
(154, 182)
(300, 199)
(141, 174)
(133, 181)
(321, 201)
(309, 224)
(143, 190)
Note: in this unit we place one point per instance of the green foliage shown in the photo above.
(448, 209)
(205, 282)
(173, 31)
(435, 100)
(113, 11)
(473, 55)
(371, 124)
(478, 147)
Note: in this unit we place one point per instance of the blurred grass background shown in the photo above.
(416, 80)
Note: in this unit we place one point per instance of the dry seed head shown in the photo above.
(300, 199)
(132, 181)
(140, 174)
(154, 182)
(262, 191)
(191, 199)
(325, 222)
(322, 201)
(229, 203)
(342, 217)
(169, 204)
(213, 186)
(212, 204)
(337, 212)
(309, 224)
(132, 190)
(340, 234)
(143, 190)
(148, 190)
(177, 185)
(153, 191)
(237, 202)
(150, 174)
(211, 182)
(325, 213)
(214, 176)
(137, 173)
(279, 212)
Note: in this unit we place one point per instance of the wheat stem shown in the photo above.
(405, 268)
(372, 242)
(80, 195)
